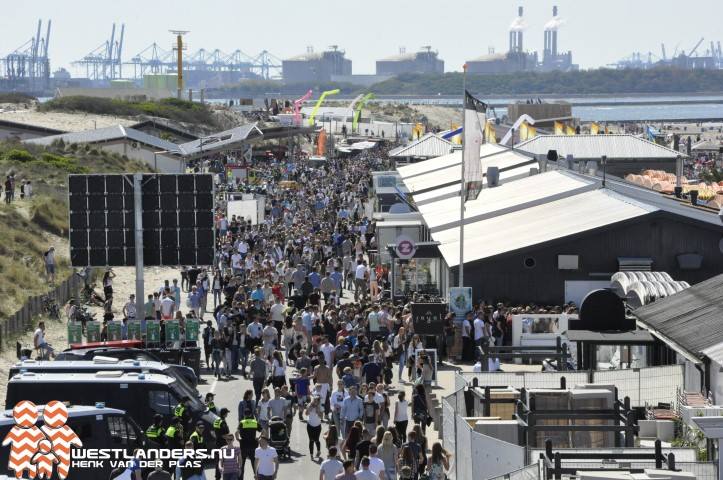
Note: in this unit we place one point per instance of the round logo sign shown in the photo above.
(406, 248)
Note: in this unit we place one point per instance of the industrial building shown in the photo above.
(316, 66)
(424, 61)
(517, 59)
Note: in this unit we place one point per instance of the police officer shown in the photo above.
(210, 406)
(248, 427)
(174, 433)
(199, 443)
(221, 430)
(154, 433)
(183, 412)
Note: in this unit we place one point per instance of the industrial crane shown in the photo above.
(696, 46)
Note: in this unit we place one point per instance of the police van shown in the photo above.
(141, 395)
(97, 427)
(184, 375)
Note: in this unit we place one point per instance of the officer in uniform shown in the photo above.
(183, 412)
(221, 430)
(199, 443)
(210, 406)
(154, 433)
(174, 434)
(248, 427)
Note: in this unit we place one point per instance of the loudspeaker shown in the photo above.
(493, 176)
(552, 155)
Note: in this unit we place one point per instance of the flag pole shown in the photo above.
(463, 186)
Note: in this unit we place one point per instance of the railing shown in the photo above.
(21, 321)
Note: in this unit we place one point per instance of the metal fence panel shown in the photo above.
(464, 450)
(496, 379)
(627, 381)
(660, 384)
(552, 379)
(448, 433)
(530, 472)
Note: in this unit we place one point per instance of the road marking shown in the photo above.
(213, 386)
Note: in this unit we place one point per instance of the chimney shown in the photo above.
(513, 39)
(554, 34)
(546, 50)
(520, 12)
(519, 41)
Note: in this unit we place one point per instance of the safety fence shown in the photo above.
(474, 452)
(530, 472)
(644, 386)
(22, 320)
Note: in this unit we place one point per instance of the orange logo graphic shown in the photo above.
(34, 450)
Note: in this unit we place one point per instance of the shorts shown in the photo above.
(50, 268)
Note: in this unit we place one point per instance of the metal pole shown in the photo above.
(463, 185)
(138, 211)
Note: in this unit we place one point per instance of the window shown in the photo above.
(121, 431)
(160, 402)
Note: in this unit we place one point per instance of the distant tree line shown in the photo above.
(587, 82)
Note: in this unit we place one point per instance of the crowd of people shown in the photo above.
(26, 188)
(295, 305)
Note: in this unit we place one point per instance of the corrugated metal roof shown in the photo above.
(520, 194)
(682, 318)
(429, 146)
(595, 146)
(538, 224)
(454, 158)
(503, 159)
(220, 140)
(116, 132)
(449, 191)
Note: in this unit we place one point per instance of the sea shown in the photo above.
(644, 108)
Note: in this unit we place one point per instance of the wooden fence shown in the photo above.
(22, 320)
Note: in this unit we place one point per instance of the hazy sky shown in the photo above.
(598, 32)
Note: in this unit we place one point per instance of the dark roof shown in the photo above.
(30, 128)
(107, 134)
(691, 318)
(635, 337)
(221, 141)
(165, 125)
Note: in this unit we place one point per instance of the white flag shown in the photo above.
(473, 138)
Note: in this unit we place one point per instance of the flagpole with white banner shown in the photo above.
(463, 185)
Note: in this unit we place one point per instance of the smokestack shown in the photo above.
(546, 50)
(520, 12)
(513, 40)
(554, 33)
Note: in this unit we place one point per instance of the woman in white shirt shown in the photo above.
(401, 416)
(262, 410)
(313, 425)
(414, 345)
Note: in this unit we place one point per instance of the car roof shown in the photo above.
(6, 417)
(107, 376)
(98, 362)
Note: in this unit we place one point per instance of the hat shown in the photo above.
(223, 411)
(200, 424)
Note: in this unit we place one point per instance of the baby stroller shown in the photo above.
(279, 437)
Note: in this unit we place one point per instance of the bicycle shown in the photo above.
(50, 307)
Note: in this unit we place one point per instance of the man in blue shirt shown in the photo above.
(338, 278)
(195, 300)
(258, 294)
(306, 321)
(352, 409)
(315, 279)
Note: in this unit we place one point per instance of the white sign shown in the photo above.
(405, 247)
